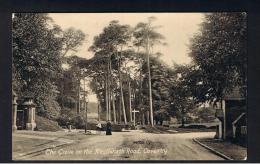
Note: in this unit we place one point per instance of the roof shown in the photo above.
(235, 94)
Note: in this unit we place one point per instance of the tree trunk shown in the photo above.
(108, 87)
(143, 119)
(134, 104)
(98, 104)
(85, 106)
(121, 90)
(140, 93)
(182, 121)
(62, 90)
(148, 117)
(120, 110)
(106, 97)
(78, 111)
(182, 118)
(130, 103)
(149, 80)
(123, 103)
(98, 112)
(114, 108)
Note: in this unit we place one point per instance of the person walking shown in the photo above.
(109, 128)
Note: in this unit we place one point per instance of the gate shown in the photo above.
(21, 118)
(20, 122)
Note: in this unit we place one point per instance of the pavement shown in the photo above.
(129, 145)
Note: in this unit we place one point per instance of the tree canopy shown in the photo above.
(125, 72)
(219, 54)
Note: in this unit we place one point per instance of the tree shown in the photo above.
(219, 54)
(205, 114)
(162, 79)
(146, 36)
(72, 39)
(115, 59)
(36, 59)
(39, 49)
(111, 41)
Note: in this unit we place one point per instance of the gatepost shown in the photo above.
(14, 112)
(29, 107)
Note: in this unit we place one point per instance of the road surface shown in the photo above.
(131, 145)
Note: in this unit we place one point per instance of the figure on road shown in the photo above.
(109, 128)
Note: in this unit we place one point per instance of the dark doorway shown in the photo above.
(20, 120)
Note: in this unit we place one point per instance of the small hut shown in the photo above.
(25, 114)
(232, 115)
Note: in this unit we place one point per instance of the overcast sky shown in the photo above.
(177, 28)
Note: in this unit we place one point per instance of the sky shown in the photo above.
(177, 29)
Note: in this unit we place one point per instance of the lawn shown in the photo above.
(227, 148)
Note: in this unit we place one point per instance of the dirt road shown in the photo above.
(131, 145)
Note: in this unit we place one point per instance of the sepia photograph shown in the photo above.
(129, 86)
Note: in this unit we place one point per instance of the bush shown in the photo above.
(49, 109)
(63, 120)
(45, 124)
(117, 127)
(78, 122)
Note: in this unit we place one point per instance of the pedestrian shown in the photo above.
(99, 128)
(109, 128)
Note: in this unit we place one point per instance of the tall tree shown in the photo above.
(147, 37)
(219, 53)
(181, 93)
(72, 39)
(36, 58)
(112, 40)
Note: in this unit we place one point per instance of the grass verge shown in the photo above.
(227, 148)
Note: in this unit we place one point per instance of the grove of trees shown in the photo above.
(125, 73)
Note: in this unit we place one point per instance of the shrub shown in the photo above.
(78, 122)
(49, 109)
(45, 124)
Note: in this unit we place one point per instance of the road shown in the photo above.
(131, 145)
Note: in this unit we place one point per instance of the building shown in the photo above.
(23, 113)
(232, 115)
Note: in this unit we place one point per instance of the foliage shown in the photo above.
(108, 48)
(36, 58)
(161, 79)
(44, 124)
(112, 36)
(182, 101)
(144, 32)
(49, 108)
(219, 54)
(205, 114)
(72, 39)
(35, 52)
(69, 116)
(39, 47)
